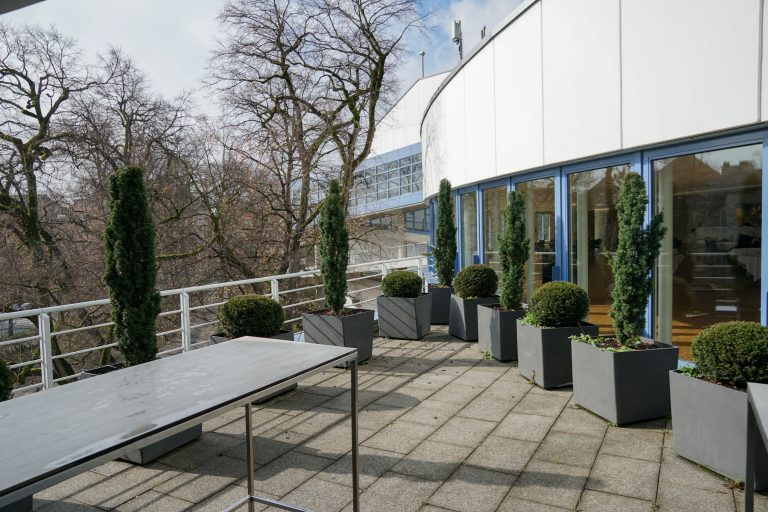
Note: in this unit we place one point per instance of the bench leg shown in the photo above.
(355, 444)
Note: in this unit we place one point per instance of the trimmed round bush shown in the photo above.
(476, 281)
(6, 381)
(733, 353)
(251, 315)
(559, 304)
(401, 283)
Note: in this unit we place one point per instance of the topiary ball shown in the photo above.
(559, 304)
(251, 315)
(476, 281)
(733, 353)
(6, 381)
(401, 283)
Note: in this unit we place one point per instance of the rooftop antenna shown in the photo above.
(457, 39)
(422, 53)
(482, 33)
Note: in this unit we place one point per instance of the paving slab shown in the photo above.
(320, 496)
(153, 500)
(567, 448)
(634, 443)
(373, 464)
(594, 501)
(679, 498)
(624, 476)
(551, 484)
(463, 431)
(512, 504)
(526, 427)
(576, 420)
(472, 489)
(401, 436)
(113, 492)
(396, 492)
(287, 472)
(502, 454)
(432, 461)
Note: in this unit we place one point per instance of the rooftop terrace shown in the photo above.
(441, 429)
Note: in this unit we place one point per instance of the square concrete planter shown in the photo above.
(351, 330)
(220, 337)
(462, 322)
(544, 353)
(709, 423)
(157, 449)
(22, 505)
(405, 318)
(497, 331)
(441, 303)
(623, 387)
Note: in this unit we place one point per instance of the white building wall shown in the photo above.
(571, 80)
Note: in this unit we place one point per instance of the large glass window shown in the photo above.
(593, 233)
(494, 200)
(468, 228)
(540, 224)
(709, 267)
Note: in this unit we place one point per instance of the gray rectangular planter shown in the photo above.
(623, 387)
(462, 322)
(544, 353)
(710, 427)
(220, 337)
(497, 331)
(405, 318)
(441, 303)
(354, 330)
(22, 505)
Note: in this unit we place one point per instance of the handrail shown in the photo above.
(46, 332)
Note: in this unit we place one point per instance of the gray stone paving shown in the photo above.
(441, 430)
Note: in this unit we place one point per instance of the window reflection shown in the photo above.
(540, 224)
(494, 201)
(469, 228)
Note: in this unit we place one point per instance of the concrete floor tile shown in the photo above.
(65, 505)
(112, 492)
(635, 443)
(676, 470)
(377, 416)
(525, 427)
(551, 484)
(571, 449)
(314, 421)
(576, 420)
(488, 408)
(760, 502)
(458, 394)
(432, 461)
(268, 445)
(502, 454)
(112, 468)
(334, 442)
(373, 464)
(284, 474)
(431, 413)
(512, 504)
(396, 492)
(543, 405)
(463, 431)
(200, 451)
(473, 490)
(401, 436)
(593, 501)
(70, 487)
(676, 498)
(152, 500)
(227, 497)
(319, 496)
(627, 477)
(205, 480)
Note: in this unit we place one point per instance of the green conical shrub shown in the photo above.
(513, 252)
(130, 272)
(445, 238)
(334, 249)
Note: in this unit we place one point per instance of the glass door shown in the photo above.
(709, 267)
(469, 252)
(593, 234)
(494, 201)
(540, 225)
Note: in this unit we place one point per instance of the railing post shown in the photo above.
(46, 352)
(275, 286)
(186, 330)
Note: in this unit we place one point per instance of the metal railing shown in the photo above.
(190, 304)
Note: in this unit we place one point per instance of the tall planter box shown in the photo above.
(710, 427)
(623, 387)
(497, 331)
(544, 353)
(441, 303)
(351, 330)
(462, 322)
(405, 318)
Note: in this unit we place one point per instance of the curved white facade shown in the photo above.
(565, 80)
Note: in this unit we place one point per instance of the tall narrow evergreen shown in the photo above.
(6, 382)
(445, 238)
(334, 249)
(513, 252)
(636, 254)
(130, 272)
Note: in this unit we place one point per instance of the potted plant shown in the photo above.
(404, 312)
(497, 323)
(624, 377)
(130, 274)
(555, 313)
(337, 325)
(475, 284)
(6, 392)
(709, 401)
(252, 315)
(444, 252)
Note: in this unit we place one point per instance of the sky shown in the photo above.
(171, 40)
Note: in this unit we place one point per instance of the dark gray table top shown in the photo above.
(46, 433)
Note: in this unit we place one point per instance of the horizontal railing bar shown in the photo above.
(166, 333)
(205, 324)
(68, 377)
(378, 274)
(206, 306)
(166, 352)
(80, 329)
(27, 388)
(304, 302)
(36, 337)
(365, 289)
(22, 365)
(169, 313)
(302, 289)
(84, 351)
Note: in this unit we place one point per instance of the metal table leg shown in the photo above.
(753, 436)
(355, 445)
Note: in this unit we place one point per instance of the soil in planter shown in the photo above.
(343, 312)
(613, 343)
